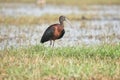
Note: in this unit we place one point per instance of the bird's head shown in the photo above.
(63, 18)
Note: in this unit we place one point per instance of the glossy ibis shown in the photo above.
(55, 31)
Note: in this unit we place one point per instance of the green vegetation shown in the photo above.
(100, 62)
(70, 2)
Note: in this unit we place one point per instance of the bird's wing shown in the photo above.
(48, 34)
(62, 33)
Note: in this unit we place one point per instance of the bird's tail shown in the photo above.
(41, 41)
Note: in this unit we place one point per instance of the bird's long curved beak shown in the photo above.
(68, 22)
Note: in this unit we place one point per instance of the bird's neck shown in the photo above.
(62, 24)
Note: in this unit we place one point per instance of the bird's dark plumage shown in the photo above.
(55, 31)
(62, 33)
(47, 34)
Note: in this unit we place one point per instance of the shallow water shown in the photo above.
(94, 32)
(87, 32)
(103, 11)
(34, 10)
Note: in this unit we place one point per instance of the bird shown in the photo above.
(54, 31)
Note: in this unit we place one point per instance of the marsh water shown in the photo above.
(106, 29)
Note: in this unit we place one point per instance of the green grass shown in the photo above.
(100, 62)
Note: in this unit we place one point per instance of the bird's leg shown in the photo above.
(50, 42)
(53, 43)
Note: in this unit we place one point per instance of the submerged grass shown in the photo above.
(100, 62)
